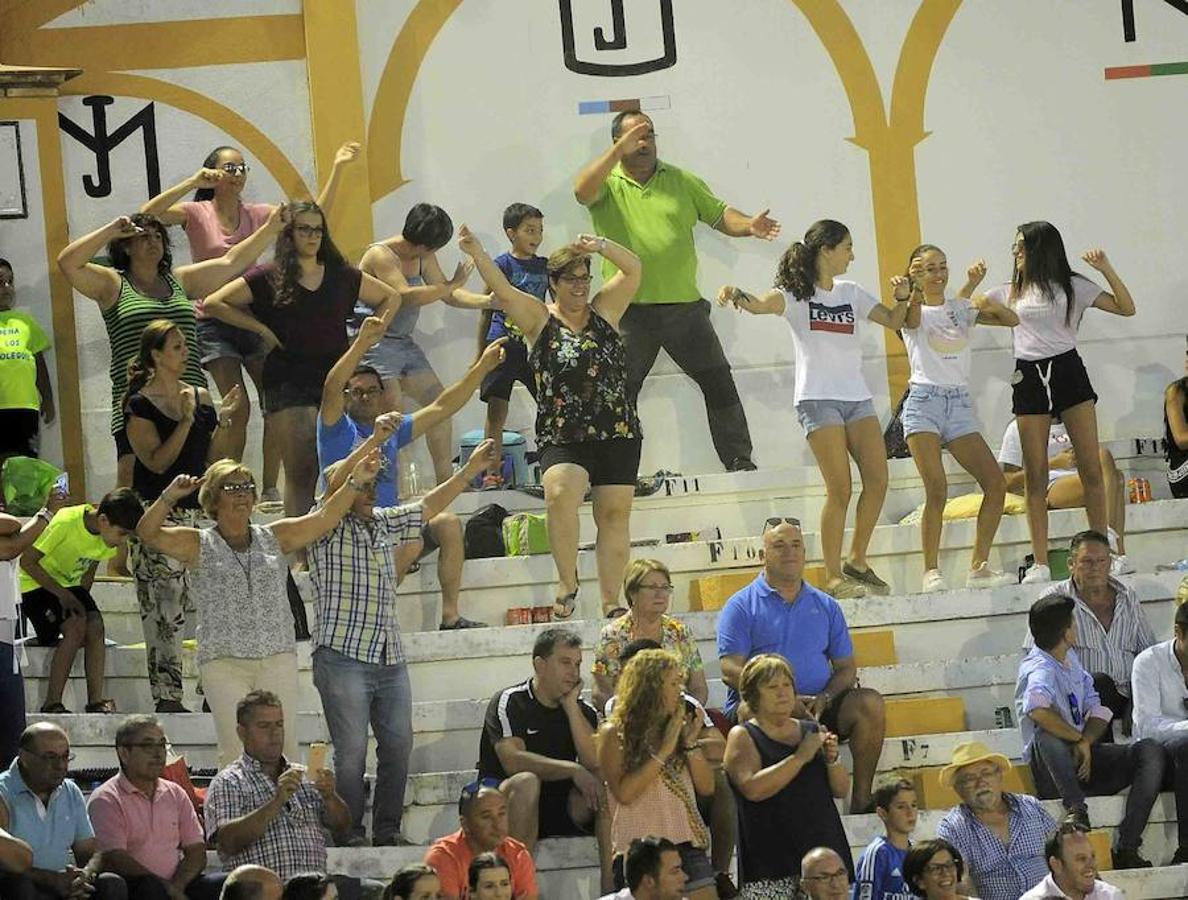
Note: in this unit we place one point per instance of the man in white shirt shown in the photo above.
(653, 871)
(1072, 868)
(1161, 712)
(1065, 490)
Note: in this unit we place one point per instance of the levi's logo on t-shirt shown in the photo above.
(839, 319)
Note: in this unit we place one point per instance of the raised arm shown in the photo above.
(1173, 407)
(204, 278)
(222, 443)
(167, 207)
(590, 180)
(454, 397)
(1120, 303)
(619, 290)
(99, 283)
(438, 499)
(180, 543)
(333, 403)
(894, 317)
(738, 224)
(526, 311)
(16, 538)
(377, 295)
(381, 263)
(345, 156)
(770, 304)
(301, 531)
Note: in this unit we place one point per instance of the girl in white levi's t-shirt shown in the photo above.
(832, 400)
(939, 412)
(1050, 381)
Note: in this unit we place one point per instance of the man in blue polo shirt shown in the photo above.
(42, 807)
(781, 613)
(352, 399)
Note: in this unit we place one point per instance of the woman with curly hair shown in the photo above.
(655, 768)
(299, 305)
(934, 870)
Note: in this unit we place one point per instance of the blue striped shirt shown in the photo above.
(353, 570)
(1001, 871)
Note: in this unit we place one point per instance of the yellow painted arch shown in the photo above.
(247, 135)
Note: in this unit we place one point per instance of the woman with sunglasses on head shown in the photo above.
(237, 575)
(586, 423)
(174, 429)
(215, 220)
(1050, 381)
(1175, 434)
(650, 754)
(939, 413)
(299, 306)
(833, 403)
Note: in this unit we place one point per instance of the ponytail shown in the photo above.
(142, 368)
(797, 271)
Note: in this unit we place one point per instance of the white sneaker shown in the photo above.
(933, 581)
(1122, 565)
(1037, 574)
(985, 577)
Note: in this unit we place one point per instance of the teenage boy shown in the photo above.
(879, 872)
(524, 227)
(56, 577)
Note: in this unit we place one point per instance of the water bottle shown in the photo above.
(412, 482)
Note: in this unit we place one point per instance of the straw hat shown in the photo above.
(967, 754)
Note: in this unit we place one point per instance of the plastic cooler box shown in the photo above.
(515, 469)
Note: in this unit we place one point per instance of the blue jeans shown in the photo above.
(354, 693)
(12, 706)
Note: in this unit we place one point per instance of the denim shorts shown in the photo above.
(395, 357)
(218, 340)
(814, 414)
(944, 411)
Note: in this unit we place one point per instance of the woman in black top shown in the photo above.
(1175, 434)
(586, 424)
(785, 773)
(174, 430)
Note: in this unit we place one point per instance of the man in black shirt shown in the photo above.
(538, 742)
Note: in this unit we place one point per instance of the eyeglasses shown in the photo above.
(239, 487)
(363, 393)
(658, 588)
(53, 759)
(149, 746)
(470, 790)
(575, 279)
(974, 777)
(942, 868)
(310, 230)
(839, 875)
(776, 521)
(236, 168)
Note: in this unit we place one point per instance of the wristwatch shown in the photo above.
(44, 514)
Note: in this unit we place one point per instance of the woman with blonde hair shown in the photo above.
(237, 573)
(647, 585)
(650, 756)
(781, 768)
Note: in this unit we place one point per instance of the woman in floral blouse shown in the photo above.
(648, 588)
(586, 425)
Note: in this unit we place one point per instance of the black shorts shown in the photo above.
(514, 367)
(829, 717)
(1050, 386)
(290, 383)
(428, 542)
(553, 815)
(606, 462)
(43, 611)
(18, 432)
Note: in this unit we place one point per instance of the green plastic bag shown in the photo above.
(27, 484)
(525, 534)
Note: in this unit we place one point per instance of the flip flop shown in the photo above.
(106, 705)
(563, 607)
(615, 612)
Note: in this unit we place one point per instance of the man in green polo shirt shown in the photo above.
(652, 207)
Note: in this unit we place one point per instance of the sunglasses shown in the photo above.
(236, 168)
(776, 521)
(575, 279)
(239, 487)
(470, 790)
(310, 230)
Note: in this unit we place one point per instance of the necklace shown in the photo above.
(246, 568)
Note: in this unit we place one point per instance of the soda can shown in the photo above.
(1132, 488)
(542, 614)
(1144, 490)
(519, 615)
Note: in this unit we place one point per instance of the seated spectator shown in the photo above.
(252, 883)
(1161, 714)
(538, 742)
(934, 870)
(781, 613)
(359, 666)
(261, 810)
(56, 577)
(482, 811)
(654, 871)
(1063, 720)
(779, 766)
(15, 855)
(1175, 434)
(489, 878)
(146, 826)
(649, 754)
(310, 886)
(414, 882)
(1072, 868)
(823, 875)
(879, 871)
(43, 808)
(1111, 626)
(1066, 492)
(647, 585)
(352, 403)
(1000, 835)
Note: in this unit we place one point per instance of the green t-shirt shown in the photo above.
(656, 221)
(21, 338)
(68, 549)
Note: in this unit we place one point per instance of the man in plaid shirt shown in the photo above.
(359, 666)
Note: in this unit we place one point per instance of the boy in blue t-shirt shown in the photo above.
(524, 226)
(878, 874)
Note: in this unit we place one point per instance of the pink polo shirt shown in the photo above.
(152, 831)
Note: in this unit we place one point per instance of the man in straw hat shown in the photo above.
(1000, 835)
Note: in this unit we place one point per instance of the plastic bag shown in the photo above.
(27, 484)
